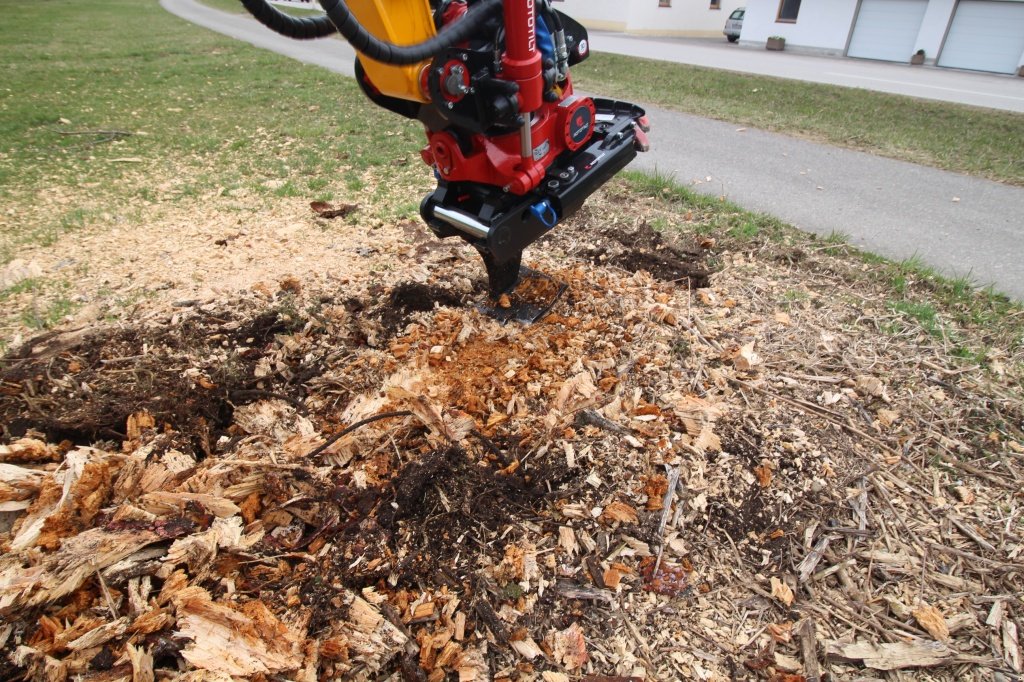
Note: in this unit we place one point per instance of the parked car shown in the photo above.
(734, 24)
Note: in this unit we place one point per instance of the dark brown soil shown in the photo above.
(188, 376)
(439, 509)
(428, 525)
(411, 297)
(645, 249)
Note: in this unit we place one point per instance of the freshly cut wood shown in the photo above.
(580, 386)
(527, 648)
(18, 485)
(472, 665)
(100, 635)
(138, 422)
(782, 592)
(619, 512)
(64, 571)
(567, 540)
(468, 491)
(163, 503)
(25, 450)
(552, 676)
(42, 667)
(698, 416)
(143, 562)
(48, 503)
(142, 664)
(892, 656)
(237, 641)
(372, 639)
(274, 418)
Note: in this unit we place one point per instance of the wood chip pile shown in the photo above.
(658, 482)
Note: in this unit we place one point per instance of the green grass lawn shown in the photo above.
(198, 112)
(982, 142)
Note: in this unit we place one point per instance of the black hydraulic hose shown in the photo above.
(398, 55)
(300, 28)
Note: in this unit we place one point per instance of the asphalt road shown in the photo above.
(958, 224)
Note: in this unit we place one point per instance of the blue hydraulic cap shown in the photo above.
(545, 41)
(545, 213)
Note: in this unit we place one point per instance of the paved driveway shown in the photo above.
(958, 224)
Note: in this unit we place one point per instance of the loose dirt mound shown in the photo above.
(376, 481)
(644, 249)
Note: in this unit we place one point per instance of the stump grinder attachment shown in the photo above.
(514, 149)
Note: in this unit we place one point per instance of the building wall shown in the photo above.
(822, 26)
(825, 26)
(684, 17)
(934, 26)
(608, 15)
(647, 17)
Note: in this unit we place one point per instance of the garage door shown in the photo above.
(887, 29)
(985, 36)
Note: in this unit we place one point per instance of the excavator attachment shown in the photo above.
(501, 225)
(514, 149)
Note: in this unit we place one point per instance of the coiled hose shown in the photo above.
(300, 28)
(340, 18)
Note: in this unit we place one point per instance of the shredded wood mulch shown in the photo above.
(682, 472)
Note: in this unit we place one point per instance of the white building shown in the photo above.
(653, 17)
(981, 35)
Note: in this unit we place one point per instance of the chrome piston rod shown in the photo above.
(463, 222)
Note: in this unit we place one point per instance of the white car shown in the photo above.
(734, 24)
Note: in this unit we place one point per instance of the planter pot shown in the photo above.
(775, 44)
(917, 59)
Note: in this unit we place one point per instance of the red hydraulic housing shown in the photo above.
(552, 119)
(521, 62)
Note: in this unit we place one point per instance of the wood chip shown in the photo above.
(932, 620)
(570, 647)
(1011, 645)
(526, 648)
(619, 512)
(891, 656)
(782, 592)
(99, 636)
(142, 664)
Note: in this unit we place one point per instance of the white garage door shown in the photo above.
(887, 29)
(985, 36)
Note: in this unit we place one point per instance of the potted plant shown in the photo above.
(917, 59)
(775, 43)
